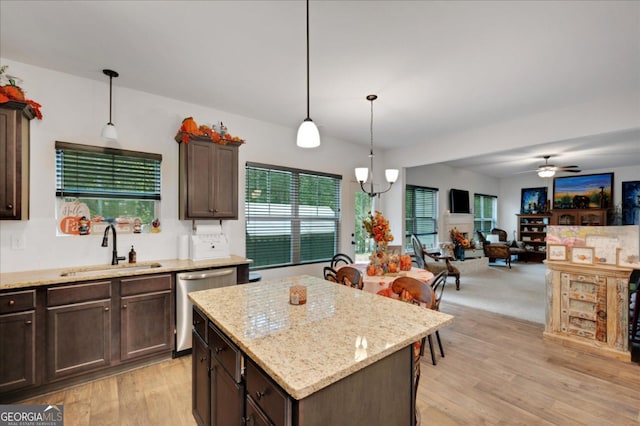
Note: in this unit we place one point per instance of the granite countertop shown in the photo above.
(14, 280)
(305, 348)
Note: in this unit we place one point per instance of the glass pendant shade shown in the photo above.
(391, 175)
(308, 134)
(362, 173)
(109, 133)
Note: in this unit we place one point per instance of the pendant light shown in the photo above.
(362, 173)
(308, 135)
(109, 132)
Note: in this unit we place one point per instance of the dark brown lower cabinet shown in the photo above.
(146, 316)
(17, 350)
(227, 397)
(254, 415)
(78, 338)
(200, 380)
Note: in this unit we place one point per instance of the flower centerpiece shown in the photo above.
(460, 243)
(377, 227)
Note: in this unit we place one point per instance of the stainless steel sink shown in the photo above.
(108, 270)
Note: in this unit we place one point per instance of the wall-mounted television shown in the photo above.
(459, 201)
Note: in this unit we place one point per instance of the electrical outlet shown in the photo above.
(18, 242)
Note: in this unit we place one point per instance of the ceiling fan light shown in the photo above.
(362, 173)
(545, 173)
(391, 175)
(308, 134)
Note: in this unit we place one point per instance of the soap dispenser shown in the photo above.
(132, 255)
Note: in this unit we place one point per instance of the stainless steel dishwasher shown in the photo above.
(195, 281)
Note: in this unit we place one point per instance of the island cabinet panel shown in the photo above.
(146, 316)
(200, 380)
(78, 329)
(17, 340)
(227, 397)
(255, 416)
(208, 186)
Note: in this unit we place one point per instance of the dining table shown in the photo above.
(375, 283)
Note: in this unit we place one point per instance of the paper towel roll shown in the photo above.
(208, 229)
(183, 247)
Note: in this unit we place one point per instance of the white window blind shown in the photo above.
(421, 211)
(292, 216)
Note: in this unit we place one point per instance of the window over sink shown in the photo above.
(114, 185)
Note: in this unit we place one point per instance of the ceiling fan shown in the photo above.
(548, 170)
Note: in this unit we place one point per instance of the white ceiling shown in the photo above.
(437, 67)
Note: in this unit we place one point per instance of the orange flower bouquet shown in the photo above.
(458, 239)
(377, 227)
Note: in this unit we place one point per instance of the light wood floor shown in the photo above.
(497, 371)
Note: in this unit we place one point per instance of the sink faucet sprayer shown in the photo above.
(105, 243)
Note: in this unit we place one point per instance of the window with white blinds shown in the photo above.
(292, 216)
(111, 182)
(485, 212)
(421, 215)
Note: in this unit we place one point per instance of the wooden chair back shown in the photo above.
(350, 276)
(339, 259)
(437, 285)
(329, 274)
(418, 252)
(418, 290)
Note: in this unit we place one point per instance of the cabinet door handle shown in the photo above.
(259, 394)
(106, 308)
(124, 306)
(219, 349)
(203, 359)
(9, 206)
(12, 302)
(28, 322)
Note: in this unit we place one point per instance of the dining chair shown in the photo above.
(340, 258)
(329, 274)
(413, 290)
(350, 276)
(438, 284)
(434, 267)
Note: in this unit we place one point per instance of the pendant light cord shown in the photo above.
(110, 92)
(308, 115)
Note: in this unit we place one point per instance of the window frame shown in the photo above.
(478, 213)
(294, 219)
(409, 230)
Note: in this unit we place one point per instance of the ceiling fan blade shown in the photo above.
(571, 171)
(568, 167)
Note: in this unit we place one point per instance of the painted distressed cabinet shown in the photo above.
(588, 306)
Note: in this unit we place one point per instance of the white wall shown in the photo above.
(444, 178)
(75, 110)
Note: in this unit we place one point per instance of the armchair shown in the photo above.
(515, 247)
(497, 251)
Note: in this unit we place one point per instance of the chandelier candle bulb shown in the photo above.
(298, 295)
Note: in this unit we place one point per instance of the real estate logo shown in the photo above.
(31, 415)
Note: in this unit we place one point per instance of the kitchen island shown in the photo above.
(344, 357)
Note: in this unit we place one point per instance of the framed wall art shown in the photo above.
(557, 252)
(533, 200)
(631, 202)
(583, 192)
(582, 255)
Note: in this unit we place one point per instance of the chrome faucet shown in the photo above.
(105, 243)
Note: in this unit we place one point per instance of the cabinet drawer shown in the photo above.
(200, 324)
(267, 395)
(17, 301)
(145, 284)
(77, 293)
(225, 352)
(586, 278)
(254, 416)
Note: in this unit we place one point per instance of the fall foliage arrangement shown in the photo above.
(218, 134)
(10, 91)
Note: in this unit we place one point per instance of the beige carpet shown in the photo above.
(517, 292)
